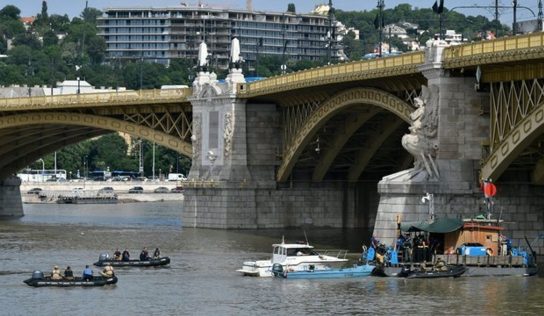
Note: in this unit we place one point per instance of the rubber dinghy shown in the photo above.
(452, 271)
(104, 259)
(38, 280)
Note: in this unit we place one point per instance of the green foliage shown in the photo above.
(427, 21)
(11, 12)
(110, 151)
(90, 15)
(291, 8)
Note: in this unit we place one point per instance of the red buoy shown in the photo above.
(489, 189)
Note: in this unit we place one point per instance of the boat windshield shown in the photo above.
(301, 252)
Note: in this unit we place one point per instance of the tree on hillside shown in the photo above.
(291, 8)
(90, 15)
(10, 11)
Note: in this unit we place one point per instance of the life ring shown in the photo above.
(489, 251)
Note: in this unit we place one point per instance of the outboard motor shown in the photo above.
(37, 275)
(277, 269)
(103, 257)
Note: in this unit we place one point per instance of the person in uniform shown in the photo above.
(126, 255)
(55, 274)
(144, 255)
(117, 254)
(87, 273)
(157, 253)
(107, 272)
(68, 273)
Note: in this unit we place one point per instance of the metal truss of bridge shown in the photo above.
(33, 127)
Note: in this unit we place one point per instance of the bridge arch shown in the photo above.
(338, 102)
(83, 126)
(517, 140)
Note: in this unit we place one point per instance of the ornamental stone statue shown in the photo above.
(422, 140)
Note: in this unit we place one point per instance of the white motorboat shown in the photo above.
(293, 257)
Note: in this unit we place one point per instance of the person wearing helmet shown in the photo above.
(107, 272)
(55, 274)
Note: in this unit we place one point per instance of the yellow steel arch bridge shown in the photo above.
(339, 122)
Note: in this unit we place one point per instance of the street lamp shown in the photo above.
(380, 7)
(78, 80)
(43, 169)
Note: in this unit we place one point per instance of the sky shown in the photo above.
(74, 7)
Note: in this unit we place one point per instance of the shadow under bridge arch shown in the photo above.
(356, 96)
(43, 133)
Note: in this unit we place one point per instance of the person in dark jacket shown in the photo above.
(68, 273)
(157, 253)
(144, 255)
(126, 255)
(117, 254)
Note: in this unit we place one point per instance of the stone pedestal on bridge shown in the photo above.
(452, 174)
(11, 205)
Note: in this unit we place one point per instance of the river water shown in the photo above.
(201, 279)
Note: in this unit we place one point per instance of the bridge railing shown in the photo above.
(454, 55)
(357, 70)
(103, 98)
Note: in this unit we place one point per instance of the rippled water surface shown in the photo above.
(201, 279)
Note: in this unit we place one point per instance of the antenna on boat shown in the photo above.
(306, 237)
(428, 197)
(282, 239)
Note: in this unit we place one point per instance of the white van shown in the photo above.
(176, 177)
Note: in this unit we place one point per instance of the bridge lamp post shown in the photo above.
(78, 79)
(380, 6)
(43, 169)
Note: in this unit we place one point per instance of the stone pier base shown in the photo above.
(11, 205)
(319, 205)
(519, 206)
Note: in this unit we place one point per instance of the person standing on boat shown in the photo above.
(157, 253)
(55, 274)
(68, 273)
(117, 254)
(144, 255)
(126, 255)
(87, 273)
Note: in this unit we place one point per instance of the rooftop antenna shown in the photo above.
(249, 5)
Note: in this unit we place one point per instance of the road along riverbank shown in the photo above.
(49, 192)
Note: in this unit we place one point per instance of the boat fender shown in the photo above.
(37, 275)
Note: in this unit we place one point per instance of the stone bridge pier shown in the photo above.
(232, 182)
(450, 168)
(11, 205)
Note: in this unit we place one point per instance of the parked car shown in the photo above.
(161, 190)
(136, 190)
(34, 191)
(106, 190)
(177, 190)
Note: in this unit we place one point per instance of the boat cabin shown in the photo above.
(280, 252)
(473, 233)
(473, 237)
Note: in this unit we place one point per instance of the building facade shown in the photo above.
(162, 34)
